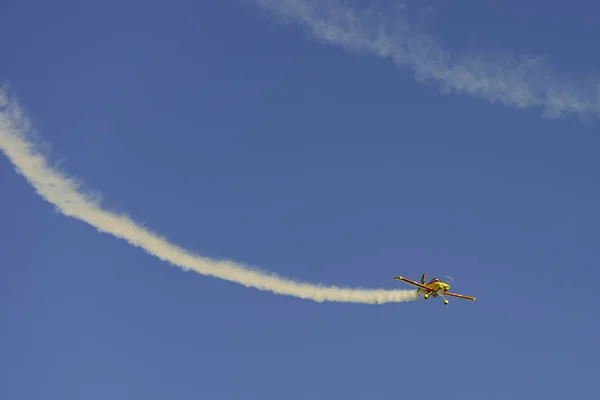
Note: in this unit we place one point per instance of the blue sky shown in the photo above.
(241, 138)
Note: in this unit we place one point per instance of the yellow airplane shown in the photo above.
(434, 288)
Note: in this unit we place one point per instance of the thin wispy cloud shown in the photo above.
(16, 142)
(522, 83)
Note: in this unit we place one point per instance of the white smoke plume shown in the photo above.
(520, 83)
(17, 144)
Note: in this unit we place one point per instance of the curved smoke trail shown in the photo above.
(62, 192)
(522, 82)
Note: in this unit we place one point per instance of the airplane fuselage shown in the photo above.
(436, 288)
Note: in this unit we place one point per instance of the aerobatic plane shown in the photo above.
(434, 287)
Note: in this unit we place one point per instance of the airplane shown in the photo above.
(434, 288)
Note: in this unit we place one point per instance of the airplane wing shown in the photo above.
(460, 296)
(409, 281)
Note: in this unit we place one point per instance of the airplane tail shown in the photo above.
(423, 277)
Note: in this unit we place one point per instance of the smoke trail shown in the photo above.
(520, 83)
(62, 192)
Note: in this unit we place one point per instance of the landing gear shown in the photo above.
(435, 294)
(445, 301)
